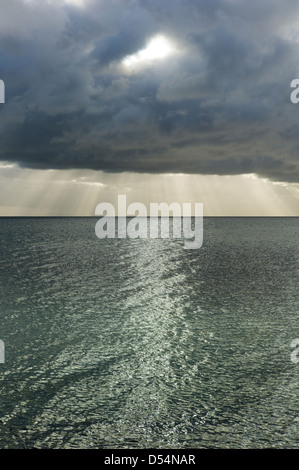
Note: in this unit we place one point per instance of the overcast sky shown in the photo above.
(185, 100)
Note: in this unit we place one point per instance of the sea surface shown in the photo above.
(122, 343)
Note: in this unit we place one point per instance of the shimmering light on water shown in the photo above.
(140, 343)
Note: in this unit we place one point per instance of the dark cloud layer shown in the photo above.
(219, 105)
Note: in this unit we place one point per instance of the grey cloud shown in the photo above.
(220, 105)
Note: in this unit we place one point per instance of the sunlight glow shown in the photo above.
(158, 48)
(32, 192)
(77, 3)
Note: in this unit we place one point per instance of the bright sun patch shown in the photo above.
(158, 48)
(77, 3)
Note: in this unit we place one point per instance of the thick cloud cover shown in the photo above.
(220, 104)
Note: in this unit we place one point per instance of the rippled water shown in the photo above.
(142, 344)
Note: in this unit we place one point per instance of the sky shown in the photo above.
(160, 100)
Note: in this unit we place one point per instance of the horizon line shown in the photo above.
(148, 216)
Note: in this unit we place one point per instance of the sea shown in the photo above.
(141, 343)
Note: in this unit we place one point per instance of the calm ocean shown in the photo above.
(143, 344)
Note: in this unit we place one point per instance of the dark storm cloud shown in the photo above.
(219, 105)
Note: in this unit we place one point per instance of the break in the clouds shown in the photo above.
(156, 86)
